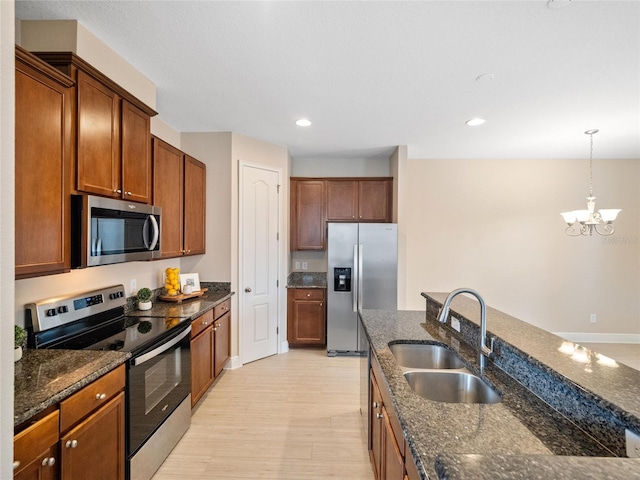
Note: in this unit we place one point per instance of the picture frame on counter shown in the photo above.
(191, 281)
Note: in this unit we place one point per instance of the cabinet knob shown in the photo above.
(16, 464)
(101, 396)
(308, 294)
(71, 444)
(248, 289)
(48, 462)
(379, 416)
(205, 323)
(127, 193)
(375, 405)
(117, 191)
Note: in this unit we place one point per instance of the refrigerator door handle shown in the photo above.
(356, 276)
(360, 276)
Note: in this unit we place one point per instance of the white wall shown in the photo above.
(398, 169)
(340, 168)
(7, 231)
(495, 225)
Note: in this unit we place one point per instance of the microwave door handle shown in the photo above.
(162, 348)
(145, 232)
(156, 232)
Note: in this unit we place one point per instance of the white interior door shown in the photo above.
(258, 261)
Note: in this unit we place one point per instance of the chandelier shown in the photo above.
(591, 221)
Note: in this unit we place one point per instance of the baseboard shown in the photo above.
(578, 337)
(233, 363)
(284, 347)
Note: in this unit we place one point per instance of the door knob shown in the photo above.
(248, 289)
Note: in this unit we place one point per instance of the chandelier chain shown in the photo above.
(591, 166)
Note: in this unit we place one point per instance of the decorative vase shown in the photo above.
(144, 305)
(17, 354)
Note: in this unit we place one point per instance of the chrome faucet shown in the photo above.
(444, 313)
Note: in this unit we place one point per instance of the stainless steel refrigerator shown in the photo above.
(362, 274)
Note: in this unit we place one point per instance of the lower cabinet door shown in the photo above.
(222, 340)
(393, 461)
(201, 364)
(377, 429)
(95, 448)
(44, 467)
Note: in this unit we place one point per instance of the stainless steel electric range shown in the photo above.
(158, 393)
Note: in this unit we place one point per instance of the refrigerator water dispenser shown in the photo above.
(341, 279)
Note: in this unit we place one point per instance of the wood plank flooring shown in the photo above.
(293, 416)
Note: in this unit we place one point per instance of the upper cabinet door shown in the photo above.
(308, 215)
(42, 162)
(374, 200)
(168, 177)
(98, 131)
(136, 154)
(195, 178)
(342, 200)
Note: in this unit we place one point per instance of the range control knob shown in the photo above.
(51, 312)
(63, 309)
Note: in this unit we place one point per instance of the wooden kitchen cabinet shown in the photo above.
(35, 450)
(96, 445)
(386, 440)
(308, 216)
(222, 336)
(359, 200)
(306, 316)
(43, 153)
(179, 188)
(201, 356)
(112, 132)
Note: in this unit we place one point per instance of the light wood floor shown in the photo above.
(293, 416)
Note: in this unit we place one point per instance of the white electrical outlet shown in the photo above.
(593, 318)
(297, 265)
(455, 324)
(304, 265)
(134, 285)
(633, 444)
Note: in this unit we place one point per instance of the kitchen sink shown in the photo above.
(424, 355)
(451, 387)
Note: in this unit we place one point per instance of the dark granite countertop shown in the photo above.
(521, 424)
(535, 467)
(307, 280)
(45, 377)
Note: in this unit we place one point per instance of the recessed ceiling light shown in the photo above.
(474, 122)
(303, 122)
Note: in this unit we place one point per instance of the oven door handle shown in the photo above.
(162, 348)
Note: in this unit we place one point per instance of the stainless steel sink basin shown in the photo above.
(422, 355)
(451, 387)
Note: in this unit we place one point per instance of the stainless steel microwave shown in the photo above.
(105, 231)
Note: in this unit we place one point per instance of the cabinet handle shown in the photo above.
(308, 294)
(48, 462)
(375, 405)
(16, 464)
(101, 396)
(320, 303)
(127, 193)
(117, 191)
(205, 323)
(71, 444)
(379, 416)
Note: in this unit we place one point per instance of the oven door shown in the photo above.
(159, 379)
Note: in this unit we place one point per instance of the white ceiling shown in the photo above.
(372, 75)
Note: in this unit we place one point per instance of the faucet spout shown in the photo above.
(485, 351)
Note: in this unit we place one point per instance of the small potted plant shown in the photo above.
(144, 298)
(19, 338)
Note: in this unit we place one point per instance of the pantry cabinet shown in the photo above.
(112, 132)
(306, 316)
(179, 188)
(43, 100)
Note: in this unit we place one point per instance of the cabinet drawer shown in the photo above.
(201, 323)
(308, 293)
(94, 395)
(31, 442)
(221, 308)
